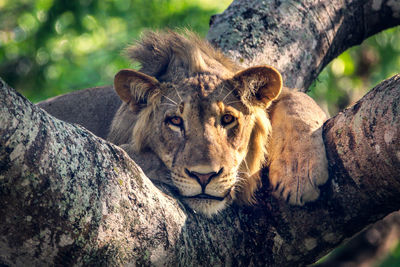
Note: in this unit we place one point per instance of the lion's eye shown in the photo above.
(175, 120)
(227, 119)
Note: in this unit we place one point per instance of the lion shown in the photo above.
(195, 120)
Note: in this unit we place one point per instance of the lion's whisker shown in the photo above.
(220, 91)
(247, 166)
(178, 94)
(170, 100)
(234, 102)
(168, 104)
(230, 92)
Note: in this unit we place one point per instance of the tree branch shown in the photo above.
(299, 38)
(68, 195)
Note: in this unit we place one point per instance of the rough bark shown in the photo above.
(299, 38)
(69, 197)
(370, 247)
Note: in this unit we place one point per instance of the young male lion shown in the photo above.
(194, 119)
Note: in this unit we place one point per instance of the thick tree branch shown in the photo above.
(365, 142)
(299, 38)
(68, 195)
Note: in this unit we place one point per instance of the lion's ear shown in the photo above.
(134, 88)
(260, 84)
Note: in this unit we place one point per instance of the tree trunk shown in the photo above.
(68, 197)
(299, 38)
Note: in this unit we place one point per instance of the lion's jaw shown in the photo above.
(206, 198)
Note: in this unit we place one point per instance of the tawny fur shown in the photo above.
(171, 57)
(179, 71)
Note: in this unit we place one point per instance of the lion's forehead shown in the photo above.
(193, 107)
(200, 99)
(203, 85)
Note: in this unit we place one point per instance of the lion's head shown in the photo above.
(204, 117)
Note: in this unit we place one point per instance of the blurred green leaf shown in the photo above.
(50, 47)
(347, 78)
(393, 260)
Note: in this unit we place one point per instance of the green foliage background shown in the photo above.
(347, 78)
(51, 47)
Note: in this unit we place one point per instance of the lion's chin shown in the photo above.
(207, 206)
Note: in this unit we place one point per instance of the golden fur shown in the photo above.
(172, 122)
(175, 67)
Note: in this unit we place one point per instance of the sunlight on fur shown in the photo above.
(202, 116)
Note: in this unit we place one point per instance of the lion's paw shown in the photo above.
(300, 169)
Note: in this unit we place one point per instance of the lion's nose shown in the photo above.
(203, 178)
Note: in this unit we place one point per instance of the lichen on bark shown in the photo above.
(67, 195)
(70, 197)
